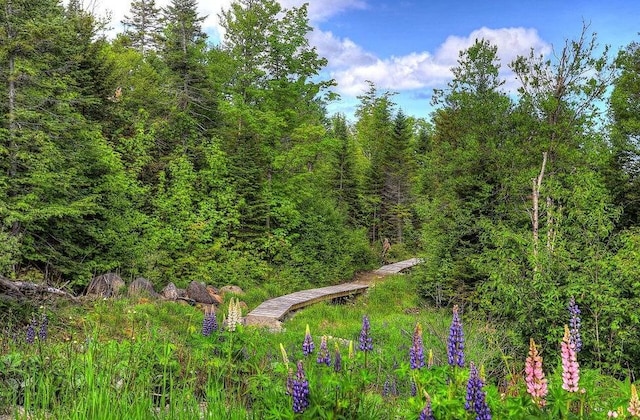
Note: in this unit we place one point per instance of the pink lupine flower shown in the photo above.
(634, 403)
(534, 376)
(570, 369)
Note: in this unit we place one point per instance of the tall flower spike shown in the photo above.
(44, 327)
(300, 390)
(209, 323)
(570, 369)
(323, 354)
(285, 359)
(235, 313)
(430, 359)
(634, 403)
(534, 376)
(366, 342)
(416, 352)
(476, 397)
(574, 324)
(31, 331)
(427, 412)
(307, 344)
(337, 364)
(455, 343)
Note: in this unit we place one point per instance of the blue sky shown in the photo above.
(409, 46)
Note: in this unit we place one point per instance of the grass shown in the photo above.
(139, 359)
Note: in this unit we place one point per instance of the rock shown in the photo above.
(142, 287)
(198, 292)
(105, 285)
(214, 295)
(231, 289)
(170, 292)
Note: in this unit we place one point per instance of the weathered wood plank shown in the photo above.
(274, 310)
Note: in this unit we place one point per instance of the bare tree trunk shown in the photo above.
(535, 219)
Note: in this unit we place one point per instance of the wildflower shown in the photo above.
(476, 397)
(430, 359)
(427, 412)
(235, 313)
(570, 370)
(337, 365)
(366, 342)
(300, 390)
(574, 325)
(634, 403)
(455, 343)
(31, 331)
(535, 380)
(612, 414)
(350, 349)
(44, 325)
(414, 388)
(416, 352)
(285, 359)
(386, 388)
(289, 390)
(323, 354)
(307, 344)
(209, 323)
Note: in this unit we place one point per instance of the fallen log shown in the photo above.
(23, 289)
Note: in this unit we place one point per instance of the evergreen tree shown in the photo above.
(398, 170)
(143, 26)
(345, 180)
(183, 52)
(374, 129)
(59, 173)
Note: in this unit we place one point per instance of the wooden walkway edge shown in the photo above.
(271, 312)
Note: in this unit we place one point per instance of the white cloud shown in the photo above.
(351, 66)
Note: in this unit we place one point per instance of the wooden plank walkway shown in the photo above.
(271, 312)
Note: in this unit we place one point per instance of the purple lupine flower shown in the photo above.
(386, 388)
(300, 390)
(307, 344)
(416, 352)
(44, 327)
(31, 331)
(323, 354)
(574, 325)
(209, 323)
(366, 342)
(337, 357)
(289, 390)
(414, 388)
(427, 412)
(455, 343)
(476, 397)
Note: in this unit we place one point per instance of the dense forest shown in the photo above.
(159, 154)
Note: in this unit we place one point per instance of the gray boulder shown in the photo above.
(105, 285)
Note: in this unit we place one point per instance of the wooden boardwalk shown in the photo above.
(271, 312)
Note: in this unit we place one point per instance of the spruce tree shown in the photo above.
(143, 26)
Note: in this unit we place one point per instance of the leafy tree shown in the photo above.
(624, 177)
(463, 170)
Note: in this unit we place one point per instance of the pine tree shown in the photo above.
(345, 181)
(183, 50)
(143, 26)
